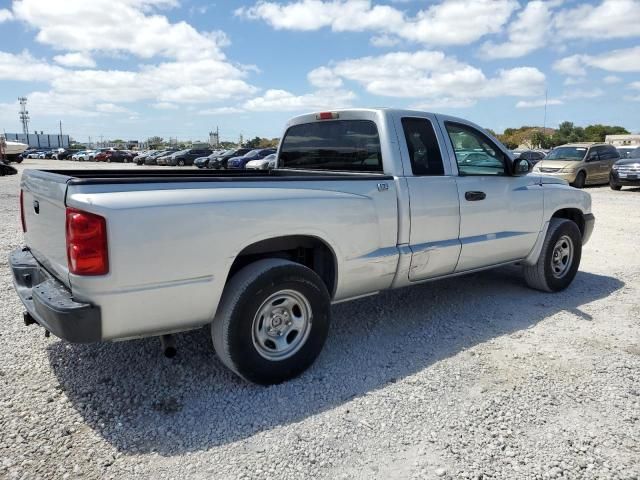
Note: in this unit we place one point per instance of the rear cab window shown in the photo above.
(335, 145)
(422, 146)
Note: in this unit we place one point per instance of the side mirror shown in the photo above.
(523, 166)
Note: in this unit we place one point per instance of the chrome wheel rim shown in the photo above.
(562, 256)
(282, 325)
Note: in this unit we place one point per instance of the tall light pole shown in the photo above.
(24, 115)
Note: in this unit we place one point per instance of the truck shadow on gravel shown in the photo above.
(141, 402)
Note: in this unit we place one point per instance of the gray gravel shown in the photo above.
(476, 377)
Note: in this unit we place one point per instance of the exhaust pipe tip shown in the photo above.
(168, 345)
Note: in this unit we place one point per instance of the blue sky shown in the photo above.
(135, 68)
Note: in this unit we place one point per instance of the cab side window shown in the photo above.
(422, 144)
(475, 153)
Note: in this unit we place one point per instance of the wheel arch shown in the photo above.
(574, 214)
(308, 250)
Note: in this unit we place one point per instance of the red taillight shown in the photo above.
(327, 116)
(87, 251)
(24, 223)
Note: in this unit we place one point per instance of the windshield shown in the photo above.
(567, 153)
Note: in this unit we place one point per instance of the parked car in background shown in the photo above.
(34, 154)
(163, 159)
(201, 162)
(142, 156)
(221, 161)
(626, 171)
(76, 156)
(153, 158)
(87, 155)
(580, 164)
(65, 154)
(187, 157)
(257, 154)
(625, 152)
(266, 163)
(533, 156)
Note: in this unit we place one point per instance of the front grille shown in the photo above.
(626, 169)
(548, 170)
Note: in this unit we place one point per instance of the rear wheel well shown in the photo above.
(573, 214)
(303, 249)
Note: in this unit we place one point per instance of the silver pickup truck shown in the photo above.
(362, 200)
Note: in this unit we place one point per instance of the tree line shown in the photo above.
(567, 132)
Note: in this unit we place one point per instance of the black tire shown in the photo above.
(541, 275)
(614, 186)
(233, 333)
(580, 180)
(181, 163)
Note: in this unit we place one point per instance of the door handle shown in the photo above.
(475, 196)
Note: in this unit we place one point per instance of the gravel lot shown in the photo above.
(474, 377)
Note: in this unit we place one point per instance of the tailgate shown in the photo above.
(44, 212)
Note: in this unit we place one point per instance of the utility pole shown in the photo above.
(60, 142)
(544, 123)
(24, 115)
(241, 141)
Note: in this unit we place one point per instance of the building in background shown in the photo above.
(628, 140)
(40, 140)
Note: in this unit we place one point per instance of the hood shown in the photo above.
(556, 164)
(628, 161)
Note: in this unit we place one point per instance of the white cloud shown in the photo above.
(450, 22)
(609, 19)
(165, 106)
(436, 79)
(111, 108)
(24, 67)
(573, 81)
(119, 26)
(572, 65)
(444, 102)
(581, 93)
(5, 15)
(221, 111)
(282, 100)
(324, 77)
(635, 85)
(526, 34)
(384, 41)
(623, 60)
(611, 79)
(538, 103)
(75, 59)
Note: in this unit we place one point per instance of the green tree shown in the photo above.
(598, 132)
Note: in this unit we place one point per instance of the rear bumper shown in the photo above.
(589, 222)
(51, 304)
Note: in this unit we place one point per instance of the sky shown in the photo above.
(132, 69)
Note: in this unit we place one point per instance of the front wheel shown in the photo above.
(613, 185)
(559, 258)
(181, 163)
(272, 321)
(580, 180)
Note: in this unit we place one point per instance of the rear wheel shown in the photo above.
(272, 321)
(580, 180)
(559, 259)
(181, 163)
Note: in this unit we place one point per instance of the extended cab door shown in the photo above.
(433, 198)
(500, 214)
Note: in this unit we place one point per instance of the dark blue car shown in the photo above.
(257, 154)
